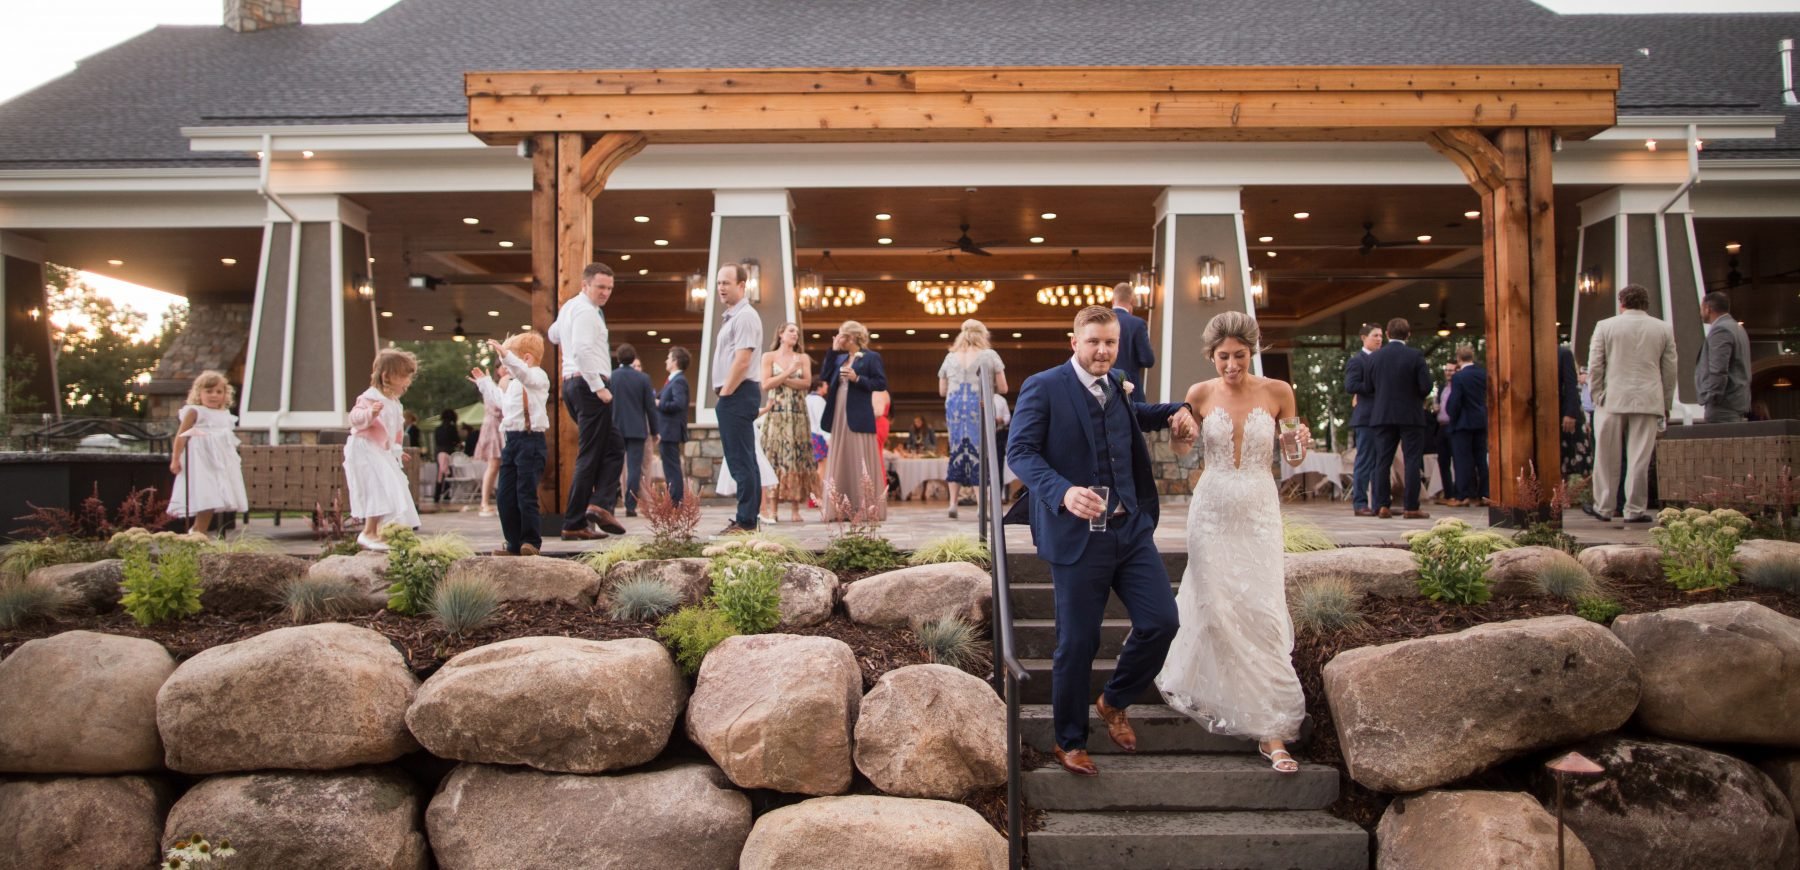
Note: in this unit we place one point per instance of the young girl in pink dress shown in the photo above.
(379, 492)
(487, 447)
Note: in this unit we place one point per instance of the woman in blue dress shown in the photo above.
(959, 382)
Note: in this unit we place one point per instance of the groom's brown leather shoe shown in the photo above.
(1117, 726)
(1076, 761)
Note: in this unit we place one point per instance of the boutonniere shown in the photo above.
(855, 356)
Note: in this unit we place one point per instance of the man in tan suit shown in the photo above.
(1631, 367)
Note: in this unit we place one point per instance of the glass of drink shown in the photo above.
(1292, 448)
(1098, 524)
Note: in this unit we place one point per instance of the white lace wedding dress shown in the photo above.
(1231, 665)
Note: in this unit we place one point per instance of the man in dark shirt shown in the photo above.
(634, 410)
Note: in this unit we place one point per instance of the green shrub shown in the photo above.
(1546, 535)
(1300, 536)
(951, 548)
(416, 565)
(642, 599)
(749, 594)
(1598, 609)
(1452, 561)
(1779, 573)
(624, 551)
(784, 547)
(22, 602)
(448, 547)
(1568, 582)
(309, 600)
(950, 641)
(239, 543)
(1326, 604)
(345, 547)
(860, 554)
(163, 588)
(692, 632)
(1697, 546)
(20, 558)
(464, 603)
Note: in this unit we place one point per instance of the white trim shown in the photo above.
(335, 137)
(753, 203)
(1165, 377)
(1736, 199)
(1694, 254)
(1629, 199)
(337, 318)
(1243, 251)
(705, 410)
(293, 420)
(133, 210)
(1200, 200)
(183, 180)
(1575, 299)
(790, 299)
(22, 247)
(1666, 283)
(323, 208)
(1636, 128)
(256, 316)
(1621, 258)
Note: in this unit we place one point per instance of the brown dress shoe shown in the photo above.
(582, 534)
(1385, 514)
(527, 550)
(605, 520)
(1365, 512)
(503, 552)
(1117, 726)
(1416, 515)
(1076, 761)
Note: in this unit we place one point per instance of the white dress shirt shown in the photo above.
(580, 329)
(740, 328)
(1088, 382)
(815, 415)
(529, 386)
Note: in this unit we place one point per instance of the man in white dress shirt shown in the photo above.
(740, 337)
(580, 329)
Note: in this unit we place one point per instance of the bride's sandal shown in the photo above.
(1280, 759)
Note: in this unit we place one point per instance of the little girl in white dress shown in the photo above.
(379, 493)
(209, 477)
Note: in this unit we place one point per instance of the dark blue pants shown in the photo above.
(671, 460)
(1363, 470)
(634, 471)
(1470, 448)
(1122, 560)
(737, 434)
(515, 490)
(599, 454)
(1410, 440)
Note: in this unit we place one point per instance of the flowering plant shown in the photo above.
(1697, 546)
(195, 850)
(1452, 559)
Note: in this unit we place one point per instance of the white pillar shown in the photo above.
(1191, 223)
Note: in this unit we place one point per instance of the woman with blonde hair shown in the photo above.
(855, 473)
(786, 428)
(959, 382)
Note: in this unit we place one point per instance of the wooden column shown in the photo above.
(1512, 175)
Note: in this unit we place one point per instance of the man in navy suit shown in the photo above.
(1356, 383)
(1057, 466)
(671, 419)
(1468, 428)
(1399, 380)
(634, 409)
(1135, 353)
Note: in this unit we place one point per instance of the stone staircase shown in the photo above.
(1186, 799)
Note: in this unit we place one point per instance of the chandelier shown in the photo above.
(950, 298)
(1064, 295)
(834, 296)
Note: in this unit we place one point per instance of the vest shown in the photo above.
(1112, 434)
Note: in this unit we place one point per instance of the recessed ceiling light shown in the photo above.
(1037, 240)
(429, 328)
(387, 314)
(624, 256)
(1302, 215)
(1424, 239)
(1265, 239)
(884, 216)
(1049, 215)
(1424, 305)
(661, 243)
(1461, 323)
(229, 261)
(665, 341)
(525, 326)
(505, 244)
(649, 332)
(642, 218)
(493, 314)
(943, 335)
(815, 335)
(1733, 247)
(643, 271)
(912, 332)
(884, 241)
(1649, 144)
(471, 221)
(306, 154)
(115, 262)
(874, 335)
(1471, 214)
(371, 259)
(1272, 254)
(1018, 335)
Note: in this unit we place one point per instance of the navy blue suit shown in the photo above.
(1399, 380)
(1044, 450)
(1135, 352)
(1468, 411)
(671, 427)
(634, 410)
(1356, 384)
(870, 378)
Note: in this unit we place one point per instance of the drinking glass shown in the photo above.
(1292, 449)
(1098, 524)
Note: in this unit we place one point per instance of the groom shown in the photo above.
(1058, 466)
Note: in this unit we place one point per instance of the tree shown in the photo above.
(443, 378)
(101, 352)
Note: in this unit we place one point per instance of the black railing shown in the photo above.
(1007, 671)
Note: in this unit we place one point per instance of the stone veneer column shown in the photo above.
(747, 224)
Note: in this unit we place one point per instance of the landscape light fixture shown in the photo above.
(1212, 279)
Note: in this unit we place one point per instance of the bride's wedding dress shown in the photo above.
(1231, 665)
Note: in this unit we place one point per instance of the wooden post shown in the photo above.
(544, 304)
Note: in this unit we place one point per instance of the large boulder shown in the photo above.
(1514, 572)
(931, 731)
(1750, 554)
(1675, 807)
(1727, 672)
(1421, 713)
(554, 703)
(1473, 830)
(776, 711)
(90, 822)
(82, 702)
(1784, 771)
(533, 578)
(352, 818)
(366, 571)
(311, 697)
(1384, 572)
(921, 593)
(808, 595)
(1623, 563)
(242, 584)
(92, 587)
(871, 832)
(684, 816)
(691, 577)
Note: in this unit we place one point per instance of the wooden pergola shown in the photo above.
(1498, 124)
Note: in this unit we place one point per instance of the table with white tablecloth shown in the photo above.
(1329, 466)
(915, 471)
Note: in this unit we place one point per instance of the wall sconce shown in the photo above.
(1588, 282)
(35, 314)
(810, 287)
(696, 292)
(1259, 289)
(1733, 277)
(1212, 279)
(365, 287)
(1143, 288)
(752, 280)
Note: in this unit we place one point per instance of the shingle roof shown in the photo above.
(127, 104)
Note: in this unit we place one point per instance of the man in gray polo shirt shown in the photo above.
(740, 335)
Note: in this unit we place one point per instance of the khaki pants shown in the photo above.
(1635, 434)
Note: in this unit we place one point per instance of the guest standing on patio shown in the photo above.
(959, 382)
(634, 413)
(1356, 383)
(740, 395)
(671, 415)
(1469, 428)
(1631, 368)
(1722, 376)
(487, 444)
(1571, 393)
(1440, 437)
(1399, 380)
(1135, 351)
(580, 329)
(787, 429)
(855, 475)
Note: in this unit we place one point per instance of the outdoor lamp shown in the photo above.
(365, 287)
(1143, 287)
(1588, 282)
(1212, 279)
(696, 292)
(809, 286)
(752, 280)
(1259, 289)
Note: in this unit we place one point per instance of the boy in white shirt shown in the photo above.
(523, 421)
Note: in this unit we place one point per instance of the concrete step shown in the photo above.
(1037, 689)
(1026, 567)
(1038, 601)
(1036, 638)
(1269, 840)
(1159, 729)
(1181, 782)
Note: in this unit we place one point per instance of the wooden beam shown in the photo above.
(544, 303)
(599, 161)
(1546, 405)
(1472, 153)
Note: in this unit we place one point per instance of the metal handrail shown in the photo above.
(1008, 672)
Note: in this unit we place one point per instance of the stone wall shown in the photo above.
(215, 337)
(246, 16)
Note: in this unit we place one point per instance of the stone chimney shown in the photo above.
(245, 16)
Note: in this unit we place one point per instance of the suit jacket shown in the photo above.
(1135, 352)
(1568, 385)
(1631, 364)
(870, 378)
(1356, 383)
(1722, 376)
(634, 403)
(1467, 407)
(671, 410)
(1043, 451)
(1399, 380)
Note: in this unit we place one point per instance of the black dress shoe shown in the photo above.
(1589, 510)
(631, 512)
(1640, 518)
(582, 534)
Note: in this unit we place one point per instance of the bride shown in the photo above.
(1231, 665)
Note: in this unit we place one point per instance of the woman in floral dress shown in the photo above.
(959, 382)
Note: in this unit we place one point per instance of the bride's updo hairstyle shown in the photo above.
(1231, 324)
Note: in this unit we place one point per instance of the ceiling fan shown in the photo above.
(1370, 243)
(460, 334)
(968, 245)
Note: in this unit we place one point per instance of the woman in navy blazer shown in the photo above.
(855, 472)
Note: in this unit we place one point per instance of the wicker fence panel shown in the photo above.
(1688, 469)
(299, 477)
